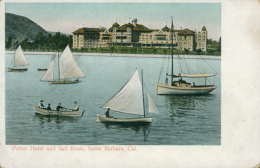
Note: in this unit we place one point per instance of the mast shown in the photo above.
(143, 92)
(172, 52)
(58, 64)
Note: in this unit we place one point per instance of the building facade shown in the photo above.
(201, 39)
(137, 35)
(105, 38)
(159, 38)
(86, 38)
(186, 40)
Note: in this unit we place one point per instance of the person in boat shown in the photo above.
(76, 107)
(41, 104)
(107, 112)
(49, 107)
(59, 107)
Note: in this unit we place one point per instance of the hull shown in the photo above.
(105, 119)
(173, 90)
(17, 69)
(39, 69)
(63, 82)
(58, 113)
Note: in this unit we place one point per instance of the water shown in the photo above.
(183, 120)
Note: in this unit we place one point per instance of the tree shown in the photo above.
(102, 29)
(9, 42)
(154, 50)
(186, 51)
(198, 51)
(219, 44)
(53, 46)
(210, 51)
(25, 44)
(112, 49)
(164, 51)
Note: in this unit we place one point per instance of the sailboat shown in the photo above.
(68, 70)
(181, 87)
(130, 99)
(19, 60)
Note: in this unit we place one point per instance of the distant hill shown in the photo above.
(20, 28)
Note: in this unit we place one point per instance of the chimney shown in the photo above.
(134, 22)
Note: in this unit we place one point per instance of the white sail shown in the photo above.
(19, 58)
(68, 66)
(129, 99)
(152, 107)
(49, 73)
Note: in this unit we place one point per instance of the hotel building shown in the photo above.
(137, 35)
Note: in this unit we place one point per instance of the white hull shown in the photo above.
(167, 89)
(103, 118)
(58, 113)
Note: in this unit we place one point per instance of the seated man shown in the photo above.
(41, 104)
(76, 107)
(49, 107)
(59, 107)
(107, 112)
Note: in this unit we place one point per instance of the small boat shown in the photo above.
(68, 70)
(42, 69)
(19, 60)
(58, 113)
(130, 99)
(181, 87)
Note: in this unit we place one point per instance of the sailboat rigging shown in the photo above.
(67, 70)
(130, 99)
(181, 87)
(19, 60)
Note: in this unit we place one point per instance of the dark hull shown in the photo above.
(39, 69)
(17, 70)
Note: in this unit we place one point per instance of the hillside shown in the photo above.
(19, 27)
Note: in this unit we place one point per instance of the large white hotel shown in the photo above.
(137, 35)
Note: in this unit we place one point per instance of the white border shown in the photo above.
(240, 119)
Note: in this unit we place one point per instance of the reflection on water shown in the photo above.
(56, 119)
(185, 105)
(137, 127)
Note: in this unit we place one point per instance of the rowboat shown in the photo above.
(58, 113)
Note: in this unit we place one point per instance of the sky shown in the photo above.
(68, 17)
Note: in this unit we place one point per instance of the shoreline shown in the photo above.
(124, 55)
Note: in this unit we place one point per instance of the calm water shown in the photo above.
(183, 120)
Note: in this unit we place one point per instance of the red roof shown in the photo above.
(86, 30)
(186, 32)
(115, 24)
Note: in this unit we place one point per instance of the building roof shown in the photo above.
(129, 25)
(204, 28)
(165, 28)
(138, 27)
(115, 24)
(87, 30)
(186, 32)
